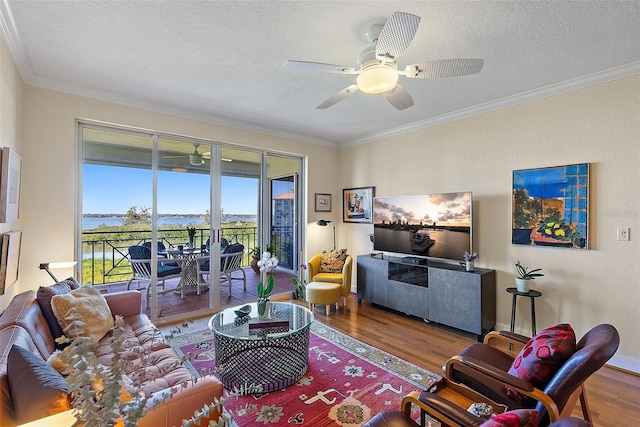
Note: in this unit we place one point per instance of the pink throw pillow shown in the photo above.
(542, 356)
(515, 418)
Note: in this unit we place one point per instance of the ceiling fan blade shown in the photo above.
(338, 97)
(444, 68)
(396, 35)
(319, 66)
(399, 97)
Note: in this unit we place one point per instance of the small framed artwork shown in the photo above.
(9, 259)
(550, 206)
(11, 166)
(323, 202)
(357, 205)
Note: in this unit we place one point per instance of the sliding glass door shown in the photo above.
(189, 202)
(283, 175)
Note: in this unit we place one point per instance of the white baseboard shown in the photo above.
(625, 363)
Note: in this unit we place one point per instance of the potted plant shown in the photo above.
(268, 263)
(192, 236)
(300, 286)
(525, 276)
(255, 257)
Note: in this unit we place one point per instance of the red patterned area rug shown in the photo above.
(346, 384)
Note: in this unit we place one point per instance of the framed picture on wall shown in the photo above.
(9, 259)
(357, 205)
(550, 206)
(11, 166)
(323, 202)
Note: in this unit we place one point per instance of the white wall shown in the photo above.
(599, 125)
(11, 89)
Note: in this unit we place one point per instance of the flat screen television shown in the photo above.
(424, 226)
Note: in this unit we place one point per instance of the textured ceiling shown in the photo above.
(221, 61)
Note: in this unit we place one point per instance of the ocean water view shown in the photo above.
(112, 221)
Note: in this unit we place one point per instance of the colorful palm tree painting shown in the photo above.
(550, 206)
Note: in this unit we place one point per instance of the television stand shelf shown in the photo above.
(435, 291)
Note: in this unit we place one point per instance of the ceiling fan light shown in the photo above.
(377, 78)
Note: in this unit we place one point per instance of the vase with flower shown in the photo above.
(267, 264)
(469, 259)
(192, 236)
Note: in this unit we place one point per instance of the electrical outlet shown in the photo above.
(623, 233)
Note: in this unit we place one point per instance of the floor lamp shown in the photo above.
(48, 266)
(324, 223)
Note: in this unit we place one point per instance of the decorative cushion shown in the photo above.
(56, 362)
(332, 261)
(37, 390)
(542, 356)
(90, 305)
(515, 418)
(44, 295)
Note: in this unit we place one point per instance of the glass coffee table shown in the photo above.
(260, 355)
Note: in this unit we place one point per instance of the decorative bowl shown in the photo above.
(243, 311)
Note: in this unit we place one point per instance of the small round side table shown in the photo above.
(532, 294)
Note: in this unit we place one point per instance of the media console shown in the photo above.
(435, 291)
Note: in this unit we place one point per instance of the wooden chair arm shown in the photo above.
(500, 339)
(479, 370)
(439, 408)
(482, 372)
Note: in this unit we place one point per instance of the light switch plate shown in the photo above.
(623, 233)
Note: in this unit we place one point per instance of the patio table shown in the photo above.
(189, 279)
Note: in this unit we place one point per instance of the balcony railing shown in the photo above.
(105, 254)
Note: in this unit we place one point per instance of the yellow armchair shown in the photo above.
(343, 278)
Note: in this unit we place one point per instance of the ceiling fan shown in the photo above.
(196, 158)
(377, 68)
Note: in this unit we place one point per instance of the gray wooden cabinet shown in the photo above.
(435, 291)
(373, 286)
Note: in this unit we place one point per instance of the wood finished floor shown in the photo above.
(613, 395)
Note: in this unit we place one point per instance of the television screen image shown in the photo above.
(431, 225)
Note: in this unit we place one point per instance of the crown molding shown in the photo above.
(130, 101)
(616, 73)
(13, 41)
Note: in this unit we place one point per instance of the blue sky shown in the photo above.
(109, 189)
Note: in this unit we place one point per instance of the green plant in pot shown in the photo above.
(267, 264)
(525, 276)
(192, 236)
(300, 286)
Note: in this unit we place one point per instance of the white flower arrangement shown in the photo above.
(268, 263)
